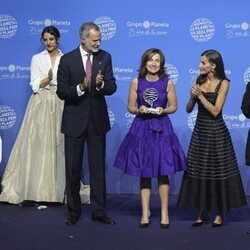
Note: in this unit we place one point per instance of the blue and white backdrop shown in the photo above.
(181, 29)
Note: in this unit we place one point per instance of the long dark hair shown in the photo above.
(147, 55)
(215, 57)
(51, 30)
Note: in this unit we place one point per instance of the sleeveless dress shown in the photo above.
(151, 148)
(212, 180)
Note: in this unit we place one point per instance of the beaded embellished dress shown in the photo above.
(212, 180)
(151, 148)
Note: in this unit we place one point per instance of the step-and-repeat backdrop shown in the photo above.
(181, 29)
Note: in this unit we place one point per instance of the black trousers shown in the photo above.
(96, 147)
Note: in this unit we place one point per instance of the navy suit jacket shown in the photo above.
(245, 107)
(79, 109)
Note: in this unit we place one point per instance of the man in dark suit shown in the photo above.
(245, 107)
(85, 76)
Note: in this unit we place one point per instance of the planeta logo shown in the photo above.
(7, 117)
(8, 26)
(237, 30)
(147, 28)
(111, 117)
(107, 26)
(202, 30)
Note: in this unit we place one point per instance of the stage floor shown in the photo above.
(28, 228)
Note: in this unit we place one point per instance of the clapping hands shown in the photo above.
(99, 78)
(195, 91)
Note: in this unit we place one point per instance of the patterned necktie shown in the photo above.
(89, 69)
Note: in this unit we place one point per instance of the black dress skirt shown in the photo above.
(212, 180)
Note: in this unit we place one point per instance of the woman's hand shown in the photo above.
(158, 111)
(143, 109)
(99, 78)
(195, 91)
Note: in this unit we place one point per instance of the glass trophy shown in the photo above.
(150, 95)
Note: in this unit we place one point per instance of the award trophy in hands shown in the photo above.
(150, 95)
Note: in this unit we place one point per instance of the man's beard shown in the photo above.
(91, 49)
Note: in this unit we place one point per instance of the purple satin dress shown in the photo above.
(151, 148)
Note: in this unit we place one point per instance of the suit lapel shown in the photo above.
(97, 64)
(79, 63)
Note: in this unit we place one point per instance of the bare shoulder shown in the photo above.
(170, 85)
(170, 82)
(224, 86)
(225, 81)
(134, 82)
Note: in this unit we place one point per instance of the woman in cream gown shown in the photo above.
(35, 170)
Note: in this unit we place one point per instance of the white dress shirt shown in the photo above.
(40, 66)
(84, 60)
(84, 56)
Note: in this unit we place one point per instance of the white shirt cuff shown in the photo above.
(79, 92)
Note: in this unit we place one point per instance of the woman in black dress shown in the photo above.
(212, 180)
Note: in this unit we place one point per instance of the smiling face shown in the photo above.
(50, 42)
(153, 64)
(205, 66)
(92, 43)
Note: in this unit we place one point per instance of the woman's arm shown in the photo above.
(132, 100)
(172, 99)
(132, 97)
(192, 100)
(222, 95)
(38, 79)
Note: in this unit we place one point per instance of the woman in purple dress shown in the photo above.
(151, 148)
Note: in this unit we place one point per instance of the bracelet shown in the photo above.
(208, 106)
